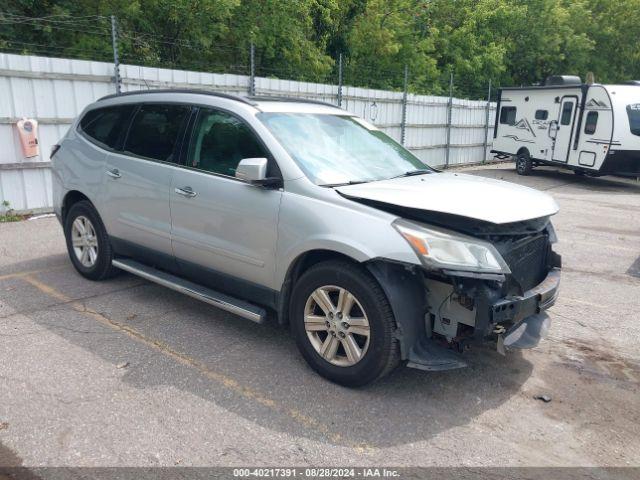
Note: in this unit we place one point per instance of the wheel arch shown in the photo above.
(301, 263)
(523, 150)
(401, 283)
(72, 197)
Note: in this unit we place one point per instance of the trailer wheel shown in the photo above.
(524, 165)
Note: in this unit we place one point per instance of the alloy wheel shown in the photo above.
(337, 325)
(84, 241)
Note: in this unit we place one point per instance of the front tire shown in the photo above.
(88, 243)
(343, 324)
(524, 164)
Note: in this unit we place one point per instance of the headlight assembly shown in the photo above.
(440, 249)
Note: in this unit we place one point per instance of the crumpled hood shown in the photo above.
(470, 196)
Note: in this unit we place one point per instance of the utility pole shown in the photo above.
(252, 78)
(116, 60)
(403, 124)
(449, 117)
(340, 80)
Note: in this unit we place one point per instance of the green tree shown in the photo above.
(384, 38)
(614, 29)
(289, 37)
(510, 42)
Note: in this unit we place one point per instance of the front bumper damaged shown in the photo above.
(526, 314)
(536, 300)
(512, 322)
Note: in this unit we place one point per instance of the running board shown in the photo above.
(217, 299)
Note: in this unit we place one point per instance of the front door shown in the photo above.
(224, 230)
(564, 129)
(138, 183)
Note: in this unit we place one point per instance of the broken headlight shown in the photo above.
(441, 249)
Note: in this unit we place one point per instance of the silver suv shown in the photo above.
(305, 213)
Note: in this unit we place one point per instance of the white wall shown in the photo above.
(54, 91)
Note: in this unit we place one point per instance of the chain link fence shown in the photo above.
(442, 129)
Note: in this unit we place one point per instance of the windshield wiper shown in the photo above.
(350, 182)
(412, 173)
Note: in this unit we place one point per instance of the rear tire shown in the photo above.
(524, 165)
(88, 243)
(360, 352)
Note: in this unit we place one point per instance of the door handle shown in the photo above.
(185, 192)
(114, 173)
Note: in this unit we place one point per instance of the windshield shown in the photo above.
(634, 118)
(337, 149)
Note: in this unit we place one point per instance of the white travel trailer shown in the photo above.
(589, 128)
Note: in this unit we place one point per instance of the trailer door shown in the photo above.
(564, 128)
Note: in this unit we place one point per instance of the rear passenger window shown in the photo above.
(591, 123)
(154, 131)
(104, 126)
(220, 141)
(542, 114)
(508, 115)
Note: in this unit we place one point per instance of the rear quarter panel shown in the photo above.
(78, 165)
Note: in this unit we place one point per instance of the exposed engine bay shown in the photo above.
(467, 307)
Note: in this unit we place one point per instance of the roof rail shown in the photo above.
(266, 98)
(182, 90)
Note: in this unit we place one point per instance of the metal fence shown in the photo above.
(442, 131)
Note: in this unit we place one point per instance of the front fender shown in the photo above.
(403, 284)
(341, 226)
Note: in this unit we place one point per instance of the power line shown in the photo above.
(57, 27)
(46, 17)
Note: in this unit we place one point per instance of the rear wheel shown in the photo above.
(524, 165)
(343, 324)
(87, 242)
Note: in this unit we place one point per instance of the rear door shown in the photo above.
(224, 230)
(101, 131)
(565, 128)
(138, 181)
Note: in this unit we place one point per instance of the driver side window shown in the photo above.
(219, 141)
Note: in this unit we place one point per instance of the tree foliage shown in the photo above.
(509, 42)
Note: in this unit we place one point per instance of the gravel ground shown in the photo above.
(125, 372)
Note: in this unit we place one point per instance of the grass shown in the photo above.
(8, 215)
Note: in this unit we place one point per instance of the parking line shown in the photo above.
(8, 276)
(228, 382)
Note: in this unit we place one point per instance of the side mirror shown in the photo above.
(254, 171)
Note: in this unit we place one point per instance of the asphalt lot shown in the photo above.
(125, 372)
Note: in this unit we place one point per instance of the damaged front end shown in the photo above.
(502, 299)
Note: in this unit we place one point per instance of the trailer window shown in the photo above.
(542, 114)
(567, 111)
(633, 111)
(590, 123)
(508, 115)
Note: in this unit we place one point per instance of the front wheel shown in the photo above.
(343, 324)
(87, 242)
(524, 165)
